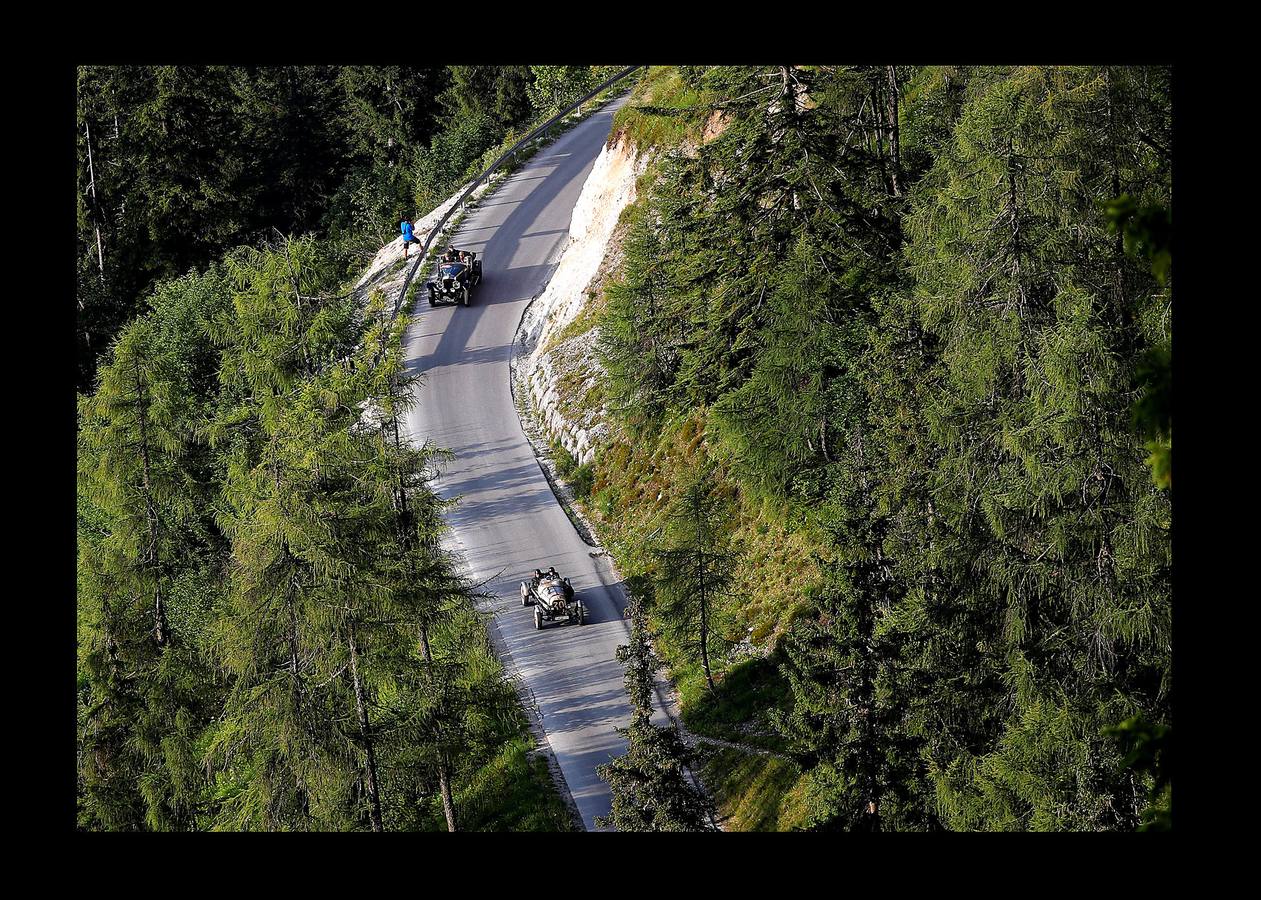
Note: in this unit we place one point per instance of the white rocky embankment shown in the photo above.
(559, 373)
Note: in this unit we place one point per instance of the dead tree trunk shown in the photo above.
(100, 254)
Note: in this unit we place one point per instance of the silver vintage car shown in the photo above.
(552, 598)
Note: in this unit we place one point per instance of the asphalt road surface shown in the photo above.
(508, 521)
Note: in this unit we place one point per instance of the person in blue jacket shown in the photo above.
(409, 236)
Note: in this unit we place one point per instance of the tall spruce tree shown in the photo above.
(650, 785)
(694, 568)
(638, 348)
(390, 111)
(435, 705)
(290, 751)
(501, 92)
(359, 679)
(1050, 553)
(849, 721)
(143, 538)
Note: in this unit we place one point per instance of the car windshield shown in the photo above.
(450, 270)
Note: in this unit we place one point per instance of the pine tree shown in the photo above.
(390, 111)
(650, 786)
(358, 673)
(501, 92)
(109, 765)
(748, 282)
(639, 344)
(694, 568)
(291, 751)
(788, 417)
(1048, 552)
(149, 695)
(849, 721)
(426, 594)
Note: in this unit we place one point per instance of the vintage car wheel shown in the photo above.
(525, 595)
(581, 616)
(538, 619)
(466, 295)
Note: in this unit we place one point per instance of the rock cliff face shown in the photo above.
(557, 367)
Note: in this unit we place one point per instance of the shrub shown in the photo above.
(444, 165)
(565, 462)
(582, 481)
(606, 503)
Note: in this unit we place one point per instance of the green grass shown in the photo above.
(593, 398)
(750, 789)
(579, 477)
(588, 317)
(513, 792)
(571, 381)
(565, 462)
(662, 110)
(746, 692)
(581, 481)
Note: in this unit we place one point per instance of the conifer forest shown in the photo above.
(872, 482)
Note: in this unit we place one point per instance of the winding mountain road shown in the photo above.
(507, 521)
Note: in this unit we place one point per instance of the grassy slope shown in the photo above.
(512, 792)
(663, 112)
(634, 482)
(752, 791)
